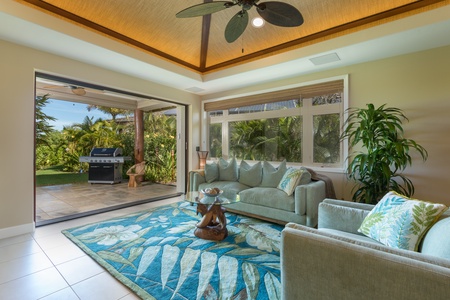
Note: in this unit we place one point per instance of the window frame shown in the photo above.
(307, 111)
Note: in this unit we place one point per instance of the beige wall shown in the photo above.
(18, 65)
(419, 84)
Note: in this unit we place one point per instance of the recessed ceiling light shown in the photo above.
(258, 22)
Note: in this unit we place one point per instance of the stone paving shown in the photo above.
(59, 201)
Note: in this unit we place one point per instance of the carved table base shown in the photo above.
(213, 225)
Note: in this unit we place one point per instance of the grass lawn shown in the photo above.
(55, 176)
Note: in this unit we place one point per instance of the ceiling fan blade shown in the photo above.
(204, 9)
(236, 26)
(280, 14)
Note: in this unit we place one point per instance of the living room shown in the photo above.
(416, 82)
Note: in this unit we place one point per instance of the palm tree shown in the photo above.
(114, 112)
(290, 138)
(248, 139)
(43, 128)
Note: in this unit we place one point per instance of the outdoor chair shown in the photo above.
(136, 174)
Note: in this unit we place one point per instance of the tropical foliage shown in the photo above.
(42, 126)
(160, 147)
(267, 139)
(63, 148)
(385, 153)
(281, 138)
(114, 112)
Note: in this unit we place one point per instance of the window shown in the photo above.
(301, 125)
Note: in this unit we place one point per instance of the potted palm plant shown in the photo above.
(385, 153)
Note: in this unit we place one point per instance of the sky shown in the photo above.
(68, 113)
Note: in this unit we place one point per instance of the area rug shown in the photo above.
(156, 254)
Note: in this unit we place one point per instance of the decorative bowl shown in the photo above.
(210, 193)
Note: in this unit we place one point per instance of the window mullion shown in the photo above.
(307, 140)
(225, 134)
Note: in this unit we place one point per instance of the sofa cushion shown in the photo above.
(228, 170)
(437, 240)
(400, 222)
(290, 180)
(250, 175)
(272, 176)
(269, 197)
(211, 172)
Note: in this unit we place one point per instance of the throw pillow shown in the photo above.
(272, 176)
(211, 172)
(400, 222)
(250, 175)
(306, 176)
(228, 170)
(290, 180)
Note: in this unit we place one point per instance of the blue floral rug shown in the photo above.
(156, 254)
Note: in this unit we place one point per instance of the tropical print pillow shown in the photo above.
(290, 180)
(400, 222)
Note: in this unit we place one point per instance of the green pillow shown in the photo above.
(250, 175)
(306, 176)
(400, 222)
(211, 172)
(272, 176)
(228, 170)
(291, 180)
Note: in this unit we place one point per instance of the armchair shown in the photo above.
(335, 261)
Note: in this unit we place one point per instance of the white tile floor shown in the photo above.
(47, 265)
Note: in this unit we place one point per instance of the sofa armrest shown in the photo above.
(342, 215)
(195, 178)
(350, 204)
(318, 265)
(307, 198)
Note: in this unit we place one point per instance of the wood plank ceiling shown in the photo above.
(199, 44)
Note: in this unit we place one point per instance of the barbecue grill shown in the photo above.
(105, 165)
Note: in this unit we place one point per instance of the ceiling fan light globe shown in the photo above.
(79, 91)
(258, 22)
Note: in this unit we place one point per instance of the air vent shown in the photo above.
(325, 59)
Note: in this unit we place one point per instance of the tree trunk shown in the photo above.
(139, 138)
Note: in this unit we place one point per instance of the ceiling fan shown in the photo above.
(274, 12)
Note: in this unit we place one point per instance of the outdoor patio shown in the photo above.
(58, 202)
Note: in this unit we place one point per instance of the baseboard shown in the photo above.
(17, 230)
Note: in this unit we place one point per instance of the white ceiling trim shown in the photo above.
(32, 28)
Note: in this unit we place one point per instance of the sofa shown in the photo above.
(336, 261)
(275, 193)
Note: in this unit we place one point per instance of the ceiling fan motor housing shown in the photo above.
(247, 4)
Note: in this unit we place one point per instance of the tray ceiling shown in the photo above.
(199, 44)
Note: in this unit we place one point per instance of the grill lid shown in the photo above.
(106, 152)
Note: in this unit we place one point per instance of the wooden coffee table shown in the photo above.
(213, 225)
